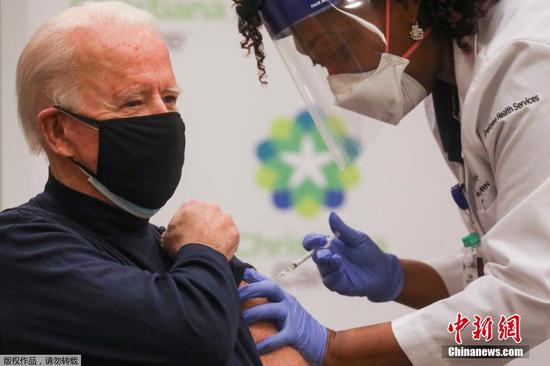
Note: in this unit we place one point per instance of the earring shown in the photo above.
(417, 33)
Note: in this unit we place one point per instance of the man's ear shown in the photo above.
(51, 127)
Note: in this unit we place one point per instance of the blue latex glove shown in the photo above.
(354, 265)
(297, 328)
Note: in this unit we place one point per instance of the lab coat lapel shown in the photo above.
(464, 67)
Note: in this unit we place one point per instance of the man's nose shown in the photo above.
(157, 105)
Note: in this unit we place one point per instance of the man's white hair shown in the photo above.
(47, 73)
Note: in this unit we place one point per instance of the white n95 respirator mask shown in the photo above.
(386, 94)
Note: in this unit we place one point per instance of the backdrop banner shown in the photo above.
(254, 150)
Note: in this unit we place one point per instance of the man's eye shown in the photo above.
(133, 103)
(170, 99)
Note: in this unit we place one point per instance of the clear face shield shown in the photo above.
(337, 52)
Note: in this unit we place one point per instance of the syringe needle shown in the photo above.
(300, 261)
(295, 265)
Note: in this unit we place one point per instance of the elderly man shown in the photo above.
(81, 269)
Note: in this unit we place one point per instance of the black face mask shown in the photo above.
(139, 158)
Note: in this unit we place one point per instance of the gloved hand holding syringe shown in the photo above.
(352, 264)
(297, 263)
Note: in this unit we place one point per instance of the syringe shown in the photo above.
(297, 263)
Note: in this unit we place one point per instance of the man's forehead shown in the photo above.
(120, 48)
(123, 60)
(124, 44)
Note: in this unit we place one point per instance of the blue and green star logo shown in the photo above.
(298, 170)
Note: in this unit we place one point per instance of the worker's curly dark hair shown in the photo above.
(249, 26)
(452, 19)
(449, 19)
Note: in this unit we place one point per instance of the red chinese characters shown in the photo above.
(510, 328)
(483, 328)
(458, 326)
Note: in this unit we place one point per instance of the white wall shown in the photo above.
(22, 175)
(403, 197)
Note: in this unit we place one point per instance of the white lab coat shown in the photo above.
(506, 151)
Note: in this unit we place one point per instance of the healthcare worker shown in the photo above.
(485, 64)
